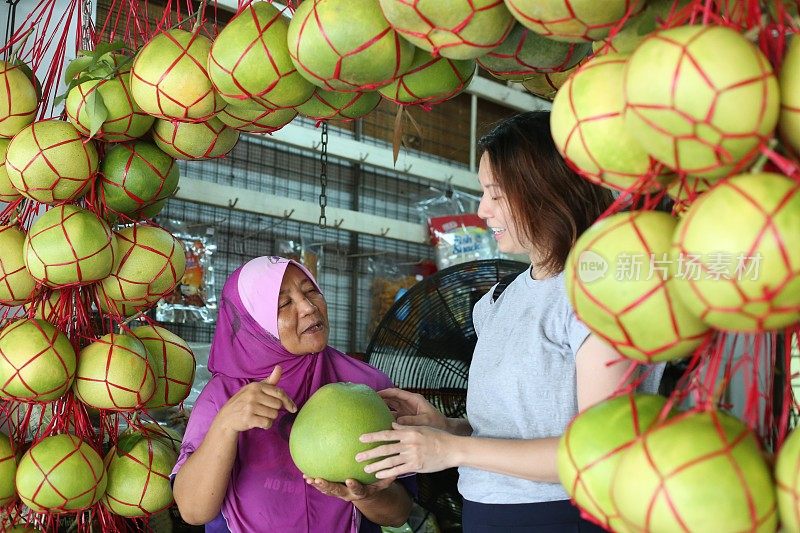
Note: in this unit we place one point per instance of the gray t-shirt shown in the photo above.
(522, 379)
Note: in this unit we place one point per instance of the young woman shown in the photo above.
(535, 365)
(269, 354)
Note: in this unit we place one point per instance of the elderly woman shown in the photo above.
(269, 354)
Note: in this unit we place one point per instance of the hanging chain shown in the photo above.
(87, 25)
(323, 176)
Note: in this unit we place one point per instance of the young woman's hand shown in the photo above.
(351, 490)
(409, 449)
(256, 405)
(412, 409)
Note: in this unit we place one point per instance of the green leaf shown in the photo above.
(103, 48)
(647, 22)
(76, 66)
(96, 111)
(127, 441)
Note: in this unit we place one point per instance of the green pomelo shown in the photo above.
(787, 468)
(699, 471)
(122, 308)
(17, 286)
(572, 20)
(138, 477)
(685, 191)
(790, 96)
(250, 60)
(429, 80)
(458, 29)
(588, 126)
(125, 121)
(174, 365)
(37, 361)
(333, 105)
(60, 474)
(18, 100)
(8, 471)
(547, 85)
(151, 262)
(50, 162)
(700, 99)
(135, 176)
(253, 118)
(324, 438)
(525, 53)
(619, 283)
(346, 45)
(736, 252)
(8, 193)
(68, 245)
(654, 15)
(115, 372)
(169, 79)
(591, 448)
(202, 140)
(22, 529)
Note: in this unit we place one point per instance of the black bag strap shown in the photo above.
(501, 286)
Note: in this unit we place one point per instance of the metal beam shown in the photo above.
(369, 154)
(209, 193)
(506, 95)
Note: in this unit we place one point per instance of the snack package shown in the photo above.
(310, 256)
(389, 283)
(457, 233)
(194, 298)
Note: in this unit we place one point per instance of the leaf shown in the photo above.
(398, 133)
(103, 48)
(646, 23)
(127, 441)
(96, 111)
(76, 66)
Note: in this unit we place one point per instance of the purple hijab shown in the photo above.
(266, 490)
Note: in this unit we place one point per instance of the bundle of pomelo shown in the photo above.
(106, 108)
(573, 20)
(461, 29)
(589, 129)
(698, 471)
(325, 436)
(254, 118)
(48, 161)
(684, 91)
(8, 193)
(193, 141)
(250, 61)
(8, 471)
(592, 446)
(60, 474)
(137, 176)
(736, 254)
(363, 54)
(174, 364)
(115, 372)
(121, 308)
(18, 99)
(619, 281)
(151, 262)
(17, 286)
(138, 471)
(169, 79)
(525, 53)
(334, 105)
(69, 245)
(37, 361)
(429, 80)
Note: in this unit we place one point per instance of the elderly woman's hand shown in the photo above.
(256, 405)
(351, 490)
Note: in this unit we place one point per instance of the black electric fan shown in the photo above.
(425, 343)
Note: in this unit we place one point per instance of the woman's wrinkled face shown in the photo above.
(302, 314)
(495, 211)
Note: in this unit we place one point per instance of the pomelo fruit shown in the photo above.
(8, 471)
(8, 193)
(192, 141)
(60, 474)
(325, 436)
(787, 468)
(18, 99)
(573, 20)
(334, 105)
(174, 364)
(17, 286)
